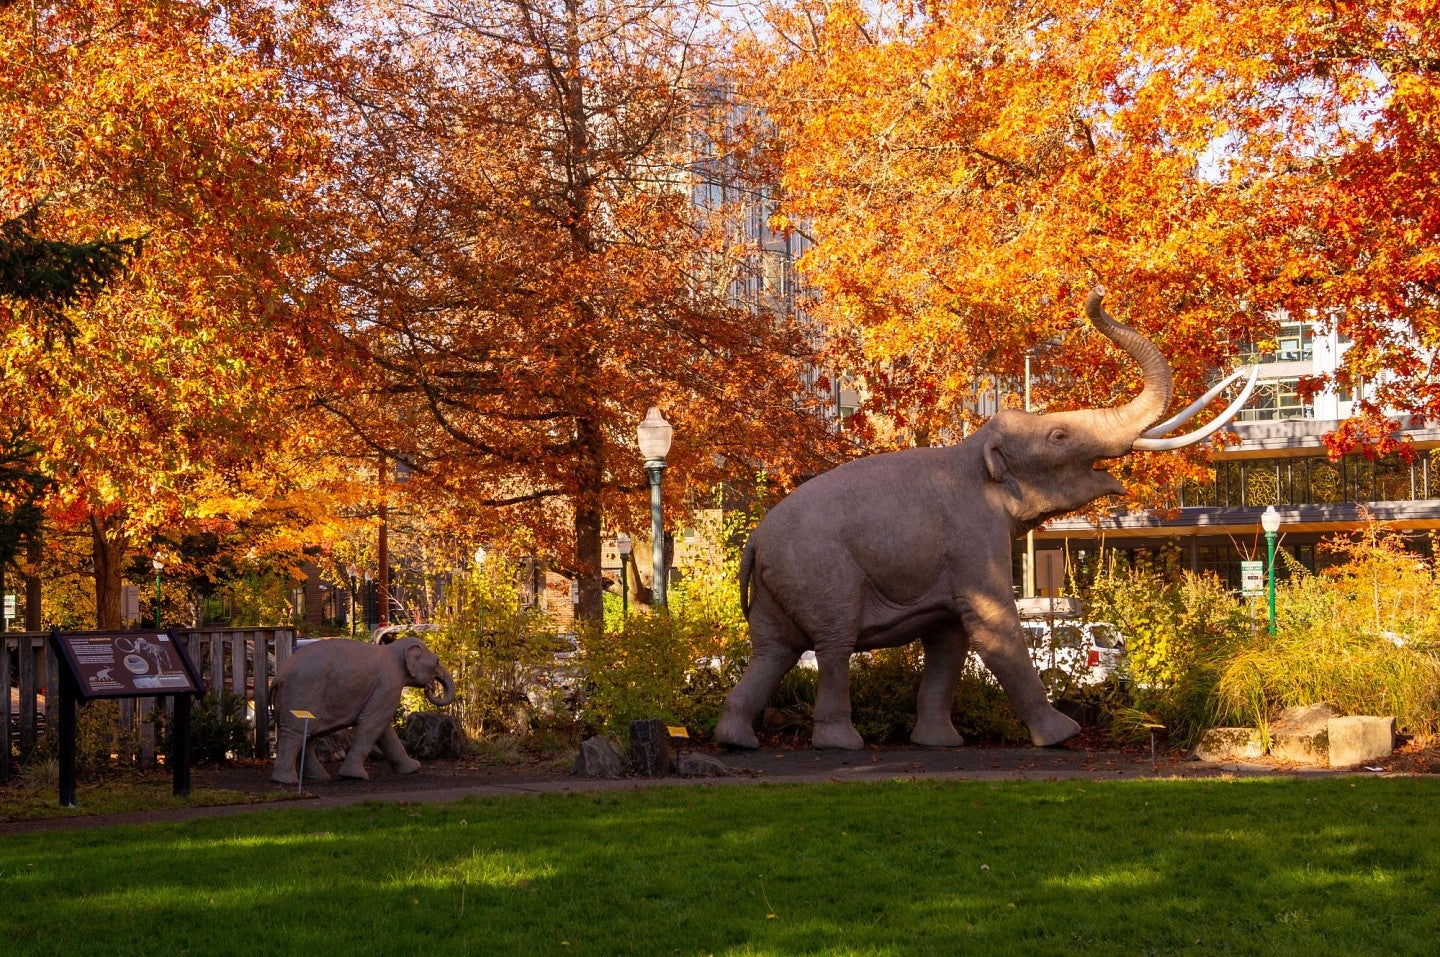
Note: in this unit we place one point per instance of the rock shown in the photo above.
(432, 734)
(650, 748)
(598, 758)
(333, 746)
(1360, 739)
(688, 764)
(1311, 747)
(1230, 744)
(1301, 735)
(1304, 719)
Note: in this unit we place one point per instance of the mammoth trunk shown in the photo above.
(446, 693)
(1128, 421)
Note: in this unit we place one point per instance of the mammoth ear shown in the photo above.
(414, 659)
(995, 461)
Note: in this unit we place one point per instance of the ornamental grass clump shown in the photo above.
(1361, 635)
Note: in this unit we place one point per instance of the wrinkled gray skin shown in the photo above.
(916, 544)
(349, 684)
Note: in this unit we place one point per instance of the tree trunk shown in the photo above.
(107, 538)
(33, 592)
(588, 523)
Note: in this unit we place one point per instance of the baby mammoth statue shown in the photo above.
(346, 684)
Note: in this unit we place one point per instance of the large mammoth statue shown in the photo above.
(916, 544)
(346, 684)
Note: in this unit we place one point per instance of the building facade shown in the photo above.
(1280, 460)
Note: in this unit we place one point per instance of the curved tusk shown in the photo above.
(1148, 444)
(1180, 418)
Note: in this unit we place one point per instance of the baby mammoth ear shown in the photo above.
(415, 659)
(995, 461)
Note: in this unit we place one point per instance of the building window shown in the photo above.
(1275, 400)
(1255, 483)
(1296, 342)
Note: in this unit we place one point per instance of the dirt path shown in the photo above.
(440, 781)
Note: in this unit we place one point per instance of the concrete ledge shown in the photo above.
(1360, 740)
(1230, 744)
(1301, 747)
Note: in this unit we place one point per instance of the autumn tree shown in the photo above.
(969, 170)
(187, 125)
(526, 269)
(40, 277)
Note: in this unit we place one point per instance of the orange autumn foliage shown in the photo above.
(173, 123)
(969, 170)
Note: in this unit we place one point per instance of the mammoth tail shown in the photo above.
(747, 567)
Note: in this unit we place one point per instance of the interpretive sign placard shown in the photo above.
(128, 664)
(1252, 578)
(124, 664)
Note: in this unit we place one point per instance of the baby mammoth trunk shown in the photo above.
(447, 688)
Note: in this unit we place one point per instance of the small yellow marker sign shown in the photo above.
(303, 715)
(677, 732)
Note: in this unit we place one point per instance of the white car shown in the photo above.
(1074, 653)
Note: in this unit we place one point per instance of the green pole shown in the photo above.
(157, 597)
(655, 469)
(1270, 544)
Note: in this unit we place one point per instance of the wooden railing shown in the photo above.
(242, 661)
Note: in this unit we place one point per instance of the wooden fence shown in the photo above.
(239, 660)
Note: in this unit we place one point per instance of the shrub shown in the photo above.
(883, 685)
(983, 711)
(501, 653)
(214, 738)
(1179, 631)
(659, 665)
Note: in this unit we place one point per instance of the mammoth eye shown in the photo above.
(1059, 435)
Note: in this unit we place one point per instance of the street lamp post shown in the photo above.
(654, 434)
(353, 572)
(1029, 583)
(624, 546)
(158, 564)
(1270, 522)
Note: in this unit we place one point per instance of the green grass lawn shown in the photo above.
(1259, 866)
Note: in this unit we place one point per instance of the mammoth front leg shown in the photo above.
(369, 730)
(994, 629)
(945, 652)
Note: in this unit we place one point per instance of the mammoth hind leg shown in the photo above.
(769, 663)
(833, 726)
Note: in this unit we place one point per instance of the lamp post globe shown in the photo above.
(654, 435)
(1270, 523)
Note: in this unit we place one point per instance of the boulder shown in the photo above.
(333, 746)
(1230, 744)
(429, 735)
(650, 748)
(1301, 747)
(1359, 739)
(598, 758)
(1301, 735)
(1304, 719)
